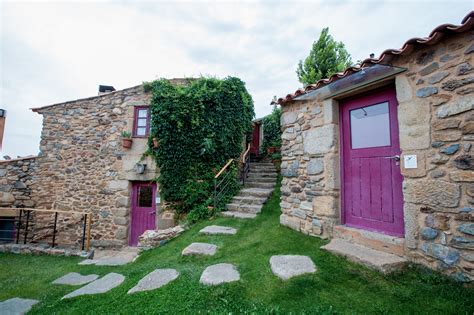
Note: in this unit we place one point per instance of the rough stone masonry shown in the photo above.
(83, 167)
(436, 123)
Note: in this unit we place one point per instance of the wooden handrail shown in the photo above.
(224, 168)
(245, 153)
(45, 210)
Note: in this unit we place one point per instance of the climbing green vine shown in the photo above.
(271, 130)
(199, 126)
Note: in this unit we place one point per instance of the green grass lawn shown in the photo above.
(337, 287)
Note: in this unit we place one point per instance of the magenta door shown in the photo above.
(372, 183)
(255, 148)
(143, 210)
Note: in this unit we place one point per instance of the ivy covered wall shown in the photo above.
(199, 127)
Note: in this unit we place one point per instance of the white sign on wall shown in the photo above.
(409, 161)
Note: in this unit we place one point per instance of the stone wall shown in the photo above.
(436, 120)
(16, 181)
(81, 162)
(436, 123)
(83, 166)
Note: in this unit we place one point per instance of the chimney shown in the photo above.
(104, 89)
(3, 115)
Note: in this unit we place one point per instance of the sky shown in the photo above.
(56, 51)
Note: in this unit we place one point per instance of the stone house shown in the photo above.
(380, 156)
(82, 166)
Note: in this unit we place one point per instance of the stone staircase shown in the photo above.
(374, 250)
(259, 185)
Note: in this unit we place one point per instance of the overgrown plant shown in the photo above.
(271, 130)
(199, 127)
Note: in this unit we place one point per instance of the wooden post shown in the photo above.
(89, 225)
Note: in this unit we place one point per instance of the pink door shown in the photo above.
(372, 183)
(143, 210)
(255, 148)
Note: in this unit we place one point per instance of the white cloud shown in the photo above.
(58, 51)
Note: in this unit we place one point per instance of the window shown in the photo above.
(145, 196)
(141, 126)
(370, 126)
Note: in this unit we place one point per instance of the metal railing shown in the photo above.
(222, 183)
(245, 168)
(222, 180)
(26, 222)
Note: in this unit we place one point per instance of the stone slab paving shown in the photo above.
(200, 249)
(238, 215)
(74, 278)
(216, 229)
(102, 285)
(288, 266)
(375, 259)
(112, 258)
(16, 306)
(155, 280)
(220, 273)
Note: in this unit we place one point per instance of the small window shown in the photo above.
(141, 126)
(145, 196)
(370, 126)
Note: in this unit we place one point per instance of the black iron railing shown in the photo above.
(18, 228)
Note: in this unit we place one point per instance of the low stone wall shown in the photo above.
(156, 238)
(16, 182)
(35, 249)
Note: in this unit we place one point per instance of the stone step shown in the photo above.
(155, 280)
(260, 175)
(254, 184)
(262, 164)
(374, 240)
(248, 200)
(218, 230)
(238, 215)
(258, 165)
(375, 259)
(261, 179)
(244, 208)
(257, 192)
(262, 169)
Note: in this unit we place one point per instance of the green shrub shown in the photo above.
(275, 156)
(198, 213)
(271, 130)
(199, 127)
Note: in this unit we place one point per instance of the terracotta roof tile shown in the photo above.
(434, 37)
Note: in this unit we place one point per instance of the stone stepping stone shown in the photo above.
(200, 249)
(238, 215)
(74, 278)
(102, 285)
(220, 273)
(117, 260)
(16, 306)
(217, 229)
(288, 266)
(155, 280)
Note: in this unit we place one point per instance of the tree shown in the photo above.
(326, 57)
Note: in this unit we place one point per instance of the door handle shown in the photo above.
(395, 157)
